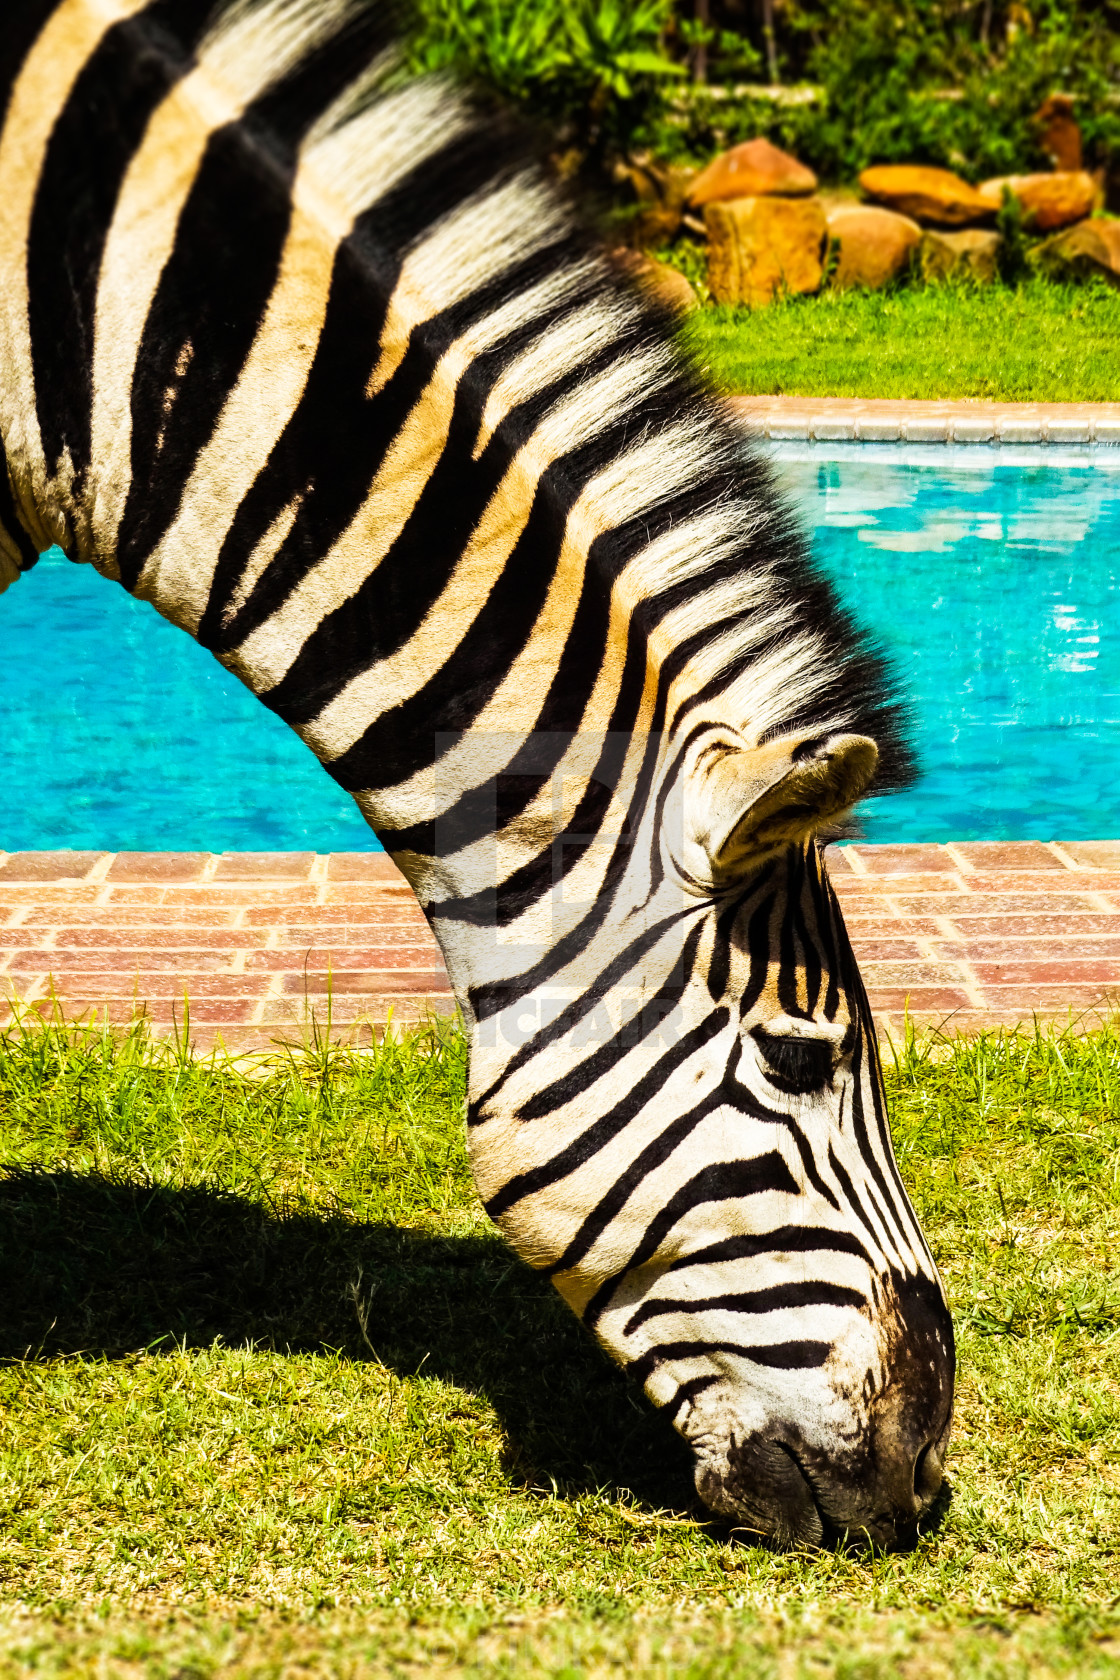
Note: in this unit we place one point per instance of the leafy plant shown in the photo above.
(922, 81)
(593, 67)
(949, 82)
(1014, 266)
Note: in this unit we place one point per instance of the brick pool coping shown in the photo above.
(882, 420)
(966, 935)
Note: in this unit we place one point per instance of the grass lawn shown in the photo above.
(1040, 343)
(276, 1400)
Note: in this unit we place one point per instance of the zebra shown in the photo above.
(317, 360)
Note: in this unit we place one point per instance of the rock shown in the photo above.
(755, 169)
(758, 247)
(972, 253)
(1092, 247)
(665, 284)
(1059, 136)
(1048, 201)
(874, 245)
(929, 195)
(660, 191)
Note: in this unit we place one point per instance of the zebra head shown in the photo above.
(708, 1177)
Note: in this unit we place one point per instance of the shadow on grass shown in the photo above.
(102, 1267)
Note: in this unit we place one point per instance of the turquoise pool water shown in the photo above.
(122, 733)
(994, 581)
(992, 577)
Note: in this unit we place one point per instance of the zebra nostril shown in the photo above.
(927, 1473)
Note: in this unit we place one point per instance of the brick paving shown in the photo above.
(984, 934)
(258, 942)
(964, 935)
(883, 420)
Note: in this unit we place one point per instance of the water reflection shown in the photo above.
(996, 589)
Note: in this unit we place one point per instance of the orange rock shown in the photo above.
(753, 170)
(1089, 248)
(1060, 137)
(929, 195)
(758, 247)
(874, 245)
(1048, 201)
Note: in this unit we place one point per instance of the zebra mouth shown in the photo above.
(766, 1492)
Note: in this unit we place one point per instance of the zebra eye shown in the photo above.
(798, 1066)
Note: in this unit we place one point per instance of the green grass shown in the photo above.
(1042, 342)
(276, 1400)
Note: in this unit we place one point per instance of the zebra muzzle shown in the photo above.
(764, 1492)
(767, 1488)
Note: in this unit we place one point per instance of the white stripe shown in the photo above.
(246, 54)
(574, 340)
(488, 234)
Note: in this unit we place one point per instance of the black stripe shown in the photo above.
(606, 1129)
(721, 1181)
(497, 995)
(131, 71)
(859, 1126)
(401, 742)
(337, 438)
(809, 1167)
(688, 1391)
(852, 1202)
(289, 108)
(329, 454)
(472, 163)
(719, 968)
(787, 958)
(792, 1239)
(492, 907)
(209, 303)
(216, 285)
(839, 961)
(756, 1301)
(480, 908)
(758, 950)
(811, 959)
(579, 1079)
(782, 1356)
(553, 864)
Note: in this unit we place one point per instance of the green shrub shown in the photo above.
(906, 83)
(593, 68)
(949, 82)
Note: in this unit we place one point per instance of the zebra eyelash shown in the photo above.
(800, 1066)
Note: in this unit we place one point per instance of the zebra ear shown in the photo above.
(741, 803)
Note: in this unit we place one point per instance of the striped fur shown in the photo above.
(319, 364)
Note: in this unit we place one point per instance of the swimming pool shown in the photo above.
(991, 576)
